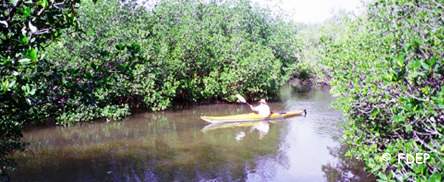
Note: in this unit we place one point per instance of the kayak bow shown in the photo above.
(251, 117)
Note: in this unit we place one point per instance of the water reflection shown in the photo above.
(167, 146)
(170, 146)
(346, 169)
(262, 128)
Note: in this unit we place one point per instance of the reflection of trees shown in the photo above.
(346, 169)
(166, 148)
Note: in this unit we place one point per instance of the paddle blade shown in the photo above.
(241, 99)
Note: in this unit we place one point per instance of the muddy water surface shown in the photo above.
(170, 146)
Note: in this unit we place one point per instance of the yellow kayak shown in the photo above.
(251, 117)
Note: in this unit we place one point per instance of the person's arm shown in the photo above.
(253, 108)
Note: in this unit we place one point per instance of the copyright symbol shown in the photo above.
(386, 157)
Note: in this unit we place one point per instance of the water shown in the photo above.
(171, 146)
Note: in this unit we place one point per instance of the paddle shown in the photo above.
(242, 99)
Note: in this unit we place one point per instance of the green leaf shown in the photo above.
(5, 85)
(435, 178)
(43, 3)
(32, 54)
(400, 60)
(415, 64)
(32, 91)
(408, 128)
(12, 83)
(431, 62)
(420, 169)
(26, 11)
(425, 65)
(399, 118)
(24, 40)
(120, 47)
(28, 90)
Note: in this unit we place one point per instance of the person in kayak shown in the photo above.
(262, 126)
(262, 109)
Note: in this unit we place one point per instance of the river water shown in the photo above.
(171, 146)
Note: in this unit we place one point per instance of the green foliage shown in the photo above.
(176, 52)
(120, 58)
(388, 72)
(304, 70)
(85, 113)
(26, 26)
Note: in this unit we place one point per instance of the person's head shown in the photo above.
(262, 101)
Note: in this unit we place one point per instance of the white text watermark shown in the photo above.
(408, 158)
